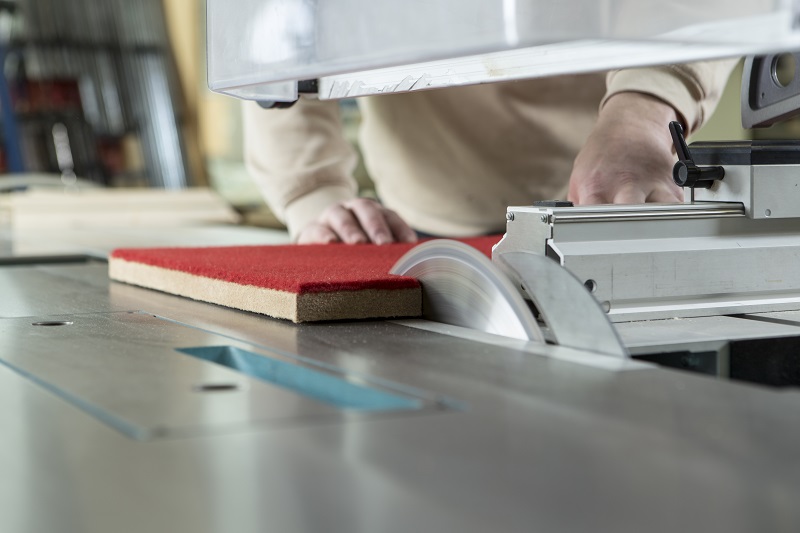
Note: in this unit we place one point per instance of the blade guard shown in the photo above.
(462, 287)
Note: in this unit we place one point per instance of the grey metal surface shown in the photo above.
(686, 332)
(764, 191)
(665, 261)
(575, 56)
(574, 317)
(181, 398)
(260, 49)
(537, 443)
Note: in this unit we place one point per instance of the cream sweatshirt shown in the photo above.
(450, 161)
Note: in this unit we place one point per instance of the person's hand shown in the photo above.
(628, 157)
(357, 221)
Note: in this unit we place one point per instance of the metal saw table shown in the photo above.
(118, 420)
(128, 410)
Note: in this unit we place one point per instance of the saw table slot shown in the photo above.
(123, 369)
(320, 386)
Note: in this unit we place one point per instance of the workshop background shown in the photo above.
(118, 97)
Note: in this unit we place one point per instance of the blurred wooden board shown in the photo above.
(50, 209)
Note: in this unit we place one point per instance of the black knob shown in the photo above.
(687, 174)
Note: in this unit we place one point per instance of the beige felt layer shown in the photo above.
(309, 307)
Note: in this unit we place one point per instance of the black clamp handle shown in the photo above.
(685, 173)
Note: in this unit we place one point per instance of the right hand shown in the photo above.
(357, 221)
(628, 157)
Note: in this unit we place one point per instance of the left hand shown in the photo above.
(357, 221)
(628, 157)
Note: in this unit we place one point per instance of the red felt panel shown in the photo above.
(298, 269)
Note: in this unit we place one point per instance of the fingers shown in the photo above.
(402, 232)
(591, 192)
(583, 198)
(344, 224)
(357, 221)
(372, 220)
(628, 192)
(666, 195)
(629, 195)
(316, 233)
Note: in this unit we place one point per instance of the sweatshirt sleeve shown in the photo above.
(299, 159)
(692, 89)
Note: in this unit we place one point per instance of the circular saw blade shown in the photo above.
(462, 287)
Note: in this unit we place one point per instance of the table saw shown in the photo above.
(650, 383)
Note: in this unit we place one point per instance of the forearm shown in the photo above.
(692, 89)
(299, 158)
(628, 112)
